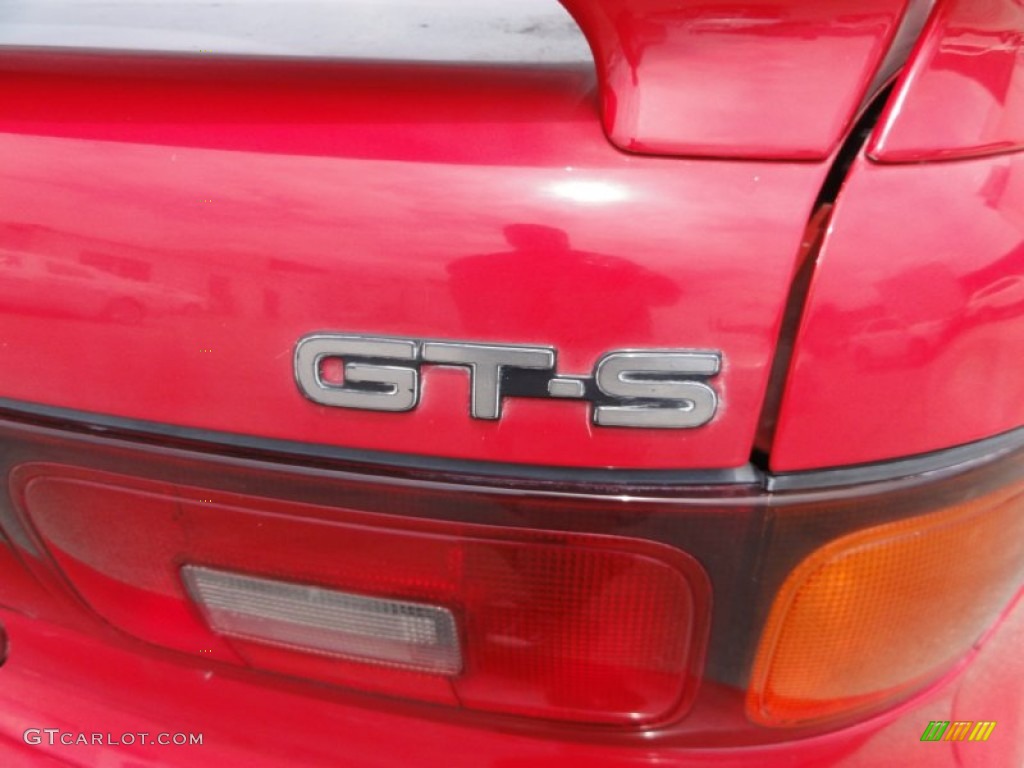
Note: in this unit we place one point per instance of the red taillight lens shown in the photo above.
(565, 626)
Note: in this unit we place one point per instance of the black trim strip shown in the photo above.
(960, 457)
(372, 461)
(494, 473)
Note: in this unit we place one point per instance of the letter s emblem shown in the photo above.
(655, 389)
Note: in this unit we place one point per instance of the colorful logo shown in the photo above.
(961, 730)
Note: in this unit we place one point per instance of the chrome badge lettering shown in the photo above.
(648, 388)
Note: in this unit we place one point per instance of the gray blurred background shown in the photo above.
(435, 30)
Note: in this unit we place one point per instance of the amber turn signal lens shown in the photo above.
(874, 614)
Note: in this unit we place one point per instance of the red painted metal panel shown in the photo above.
(747, 79)
(170, 228)
(963, 91)
(914, 328)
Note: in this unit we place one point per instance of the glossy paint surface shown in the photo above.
(170, 228)
(963, 91)
(257, 721)
(913, 334)
(720, 78)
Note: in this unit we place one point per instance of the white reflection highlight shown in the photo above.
(589, 192)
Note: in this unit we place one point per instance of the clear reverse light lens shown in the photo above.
(391, 632)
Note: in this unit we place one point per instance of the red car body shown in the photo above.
(827, 195)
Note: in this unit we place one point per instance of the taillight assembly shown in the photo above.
(604, 611)
(565, 626)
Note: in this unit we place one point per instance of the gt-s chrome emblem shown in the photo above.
(654, 388)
